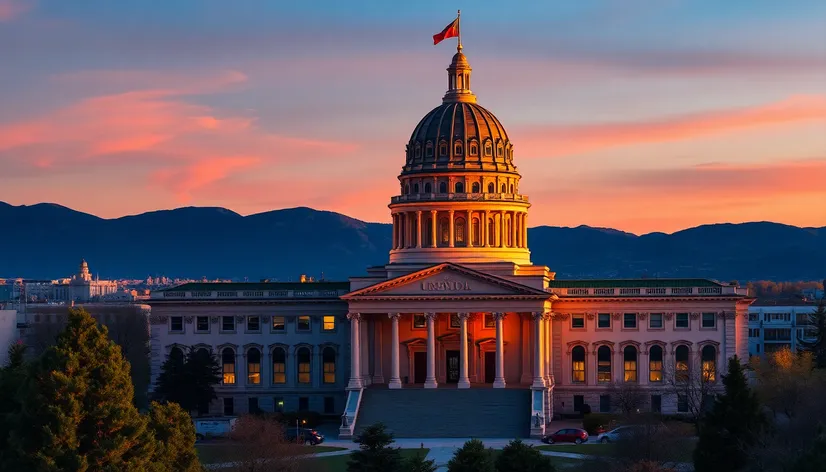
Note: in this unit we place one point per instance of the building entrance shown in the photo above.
(490, 367)
(419, 367)
(452, 366)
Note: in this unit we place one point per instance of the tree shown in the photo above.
(189, 381)
(419, 463)
(627, 397)
(11, 376)
(784, 380)
(693, 387)
(520, 457)
(77, 410)
(260, 446)
(472, 457)
(732, 427)
(817, 346)
(174, 434)
(374, 453)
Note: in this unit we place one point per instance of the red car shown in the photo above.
(577, 436)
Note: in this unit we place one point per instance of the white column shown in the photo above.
(499, 380)
(395, 379)
(525, 230)
(450, 225)
(549, 344)
(538, 360)
(419, 228)
(430, 380)
(502, 240)
(485, 235)
(464, 381)
(513, 230)
(378, 365)
(469, 227)
(433, 224)
(355, 362)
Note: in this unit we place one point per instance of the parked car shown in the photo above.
(304, 436)
(213, 427)
(577, 436)
(625, 432)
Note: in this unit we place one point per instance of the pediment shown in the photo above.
(446, 280)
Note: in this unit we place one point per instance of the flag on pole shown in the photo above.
(450, 31)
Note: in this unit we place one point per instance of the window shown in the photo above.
(428, 188)
(681, 321)
(303, 404)
(603, 364)
(511, 188)
(176, 324)
(777, 334)
(279, 324)
(488, 149)
(490, 321)
(459, 187)
(577, 321)
(252, 405)
(428, 150)
(177, 354)
(253, 323)
(329, 405)
(500, 152)
(454, 321)
(681, 361)
(753, 316)
(491, 188)
(328, 358)
(477, 233)
(629, 321)
(227, 323)
(444, 231)
(655, 364)
(474, 149)
(605, 403)
(459, 229)
(303, 358)
(656, 403)
(202, 323)
(578, 364)
(442, 187)
(709, 320)
(709, 359)
(475, 187)
(629, 357)
(416, 188)
(228, 366)
(604, 320)
(655, 321)
(418, 150)
(754, 333)
(579, 401)
(457, 149)
(682, 403)
(278, 404)
(229, 406)
(503, 189)
(279, 366)
(328, 323)
(303, 323)
(253, 366)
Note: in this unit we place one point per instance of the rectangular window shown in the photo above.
(629, 321)
(328, 323)
(303, 372)
(253, 323)
(577, 321)
(176, 324)
(279, 370)
(709, 320)
(330, 371)
(419, 321)
(303, 323)
(229, 406)
(579, 371)
(682, 403)
(490, 321)
(604, 320)
(655, 370)
(681, 321)
(579, 400)
(753, 316)
(605, 403)
(329, 405)
(252, 405)
(279, 324)
(656, 403)
(253, 371)
(228, 373)
(454, 321)
(303, 404)
(655, 320)
(202, 324)
(227, 323)
(278, 405)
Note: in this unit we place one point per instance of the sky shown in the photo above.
(640, 115)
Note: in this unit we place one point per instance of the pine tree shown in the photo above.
(818, 346)
(520, 457)
(11, 376)
(472, 457)
(375, 453)
(77, 409)
(419, 463)
(174, 434)
(728, 432)
(189, 381)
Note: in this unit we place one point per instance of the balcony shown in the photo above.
(459, 197)
(646, 291)
(247, 294)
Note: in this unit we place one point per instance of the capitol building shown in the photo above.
(460, 334)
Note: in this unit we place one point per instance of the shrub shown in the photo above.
(520, 457)
(375, 453)
(592, 422)
(419, 463)
(472, 457)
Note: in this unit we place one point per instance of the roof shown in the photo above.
(633, 283)
(229, 286)
(784, 302)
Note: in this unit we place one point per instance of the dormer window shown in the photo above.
(418, 151)
(428, 150)
(457, 149)
(474, 149)
(491, 188)
(504, 189)
(415, 188)
(500, 151)
(488, 149)
(427, 188)
(442, 149)
(442, 187)
(475, 187)
(459, 187)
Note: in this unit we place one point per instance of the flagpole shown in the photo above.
(459, 27)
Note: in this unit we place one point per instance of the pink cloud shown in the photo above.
(186, 179)
(11, 9)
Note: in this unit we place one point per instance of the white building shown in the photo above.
(779, 323)
(8, 333)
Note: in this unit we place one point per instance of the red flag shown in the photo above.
(450, 31)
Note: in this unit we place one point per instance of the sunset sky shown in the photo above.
(638, 115)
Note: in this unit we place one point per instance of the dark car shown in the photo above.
(577, 436)
(304, 436)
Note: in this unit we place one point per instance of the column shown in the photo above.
(378, 365)
(450, 226)
(364, 352)
(355, 361)
(501, 229)
(549, 345)
(469, 228)
(464, 380)
(395, 379)
(395, 228)
(642, 365)
(513, 230)
(430, 380)
(499, 380)
(525, 230)
(538, 360)
(485, 229)
(433, 224)
(419, 228)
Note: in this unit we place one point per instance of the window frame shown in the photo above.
(574, 365)
(229, 374)
(249, 321)
(304, 370)
(712, 316)
(325, 319)
(283, 364)
(625, 364)
(197, 322)
(283, 324)
(599, 321)
(625, 318)
(651, 362)
(224, 319)
(677, 321)
(328, 374)
(298, 321)
(601, 373)
(579, 317)
(254, 368)
(179, 319)
(651, 319)
(418, 316)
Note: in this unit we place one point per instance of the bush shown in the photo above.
(590, 423)
(520, 457)
(419, 463)
(375, 453)
(472, 457)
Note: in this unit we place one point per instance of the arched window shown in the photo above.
(477, 232)
(303, 359)
(578, 364)
(418, 150)
(511, 188)
(488, 149)
(457, 149)
(443, 149)
(629, 357)
(459, 187)
(499, 151)
(474, 149)
(328, 358)
(428, 232)
(491, 188)
(228, 366)
(428, 150)
(415, 188)
(177, 354)
(655, 364)
(428, 188)
(604, 364)
(504, 189)
(253, 366)
(442, 187)
(709, 358)
(279, 366)
(459, 230)
(475, 187)
(202, 353)
(491, 232)
(681, 363)
(407, 189)
(444, 232)
(508, 232)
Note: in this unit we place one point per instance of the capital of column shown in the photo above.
(538, 315)
(548, 315)
(354, 316)
(498, 316)
(394, 316)
(430, 316)
(463, 316)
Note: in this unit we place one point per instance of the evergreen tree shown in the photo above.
(520, 457)
(419, 463)
(189, 381)
(472, 457)
(728, 432)
(77, 409)
(11, 376)
(375, 453)
(818, 346)
(174, 434)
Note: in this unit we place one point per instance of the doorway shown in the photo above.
(419, 367)
(452, 366)
(490, 367)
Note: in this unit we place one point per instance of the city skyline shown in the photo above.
(667, 115)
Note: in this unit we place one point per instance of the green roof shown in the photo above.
(633, 283)
(229, 286)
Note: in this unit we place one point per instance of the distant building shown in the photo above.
(83, 288)
(8, 333)
(779, 323)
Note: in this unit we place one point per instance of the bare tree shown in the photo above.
(627, 397)
(259, 445)
(693, 386)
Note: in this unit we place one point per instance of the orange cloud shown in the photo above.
(186, 179)
(11, 9)
(553, 141)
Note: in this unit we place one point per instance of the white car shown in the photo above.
(617, 434)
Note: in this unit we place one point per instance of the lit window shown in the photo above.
(604, 364)
(176, 324)
(419, 321)
(629, 321)
(629, 355)
(655, 320)
(279, 366)
(329, 360)
(253, 366)
(303, 323)
(228, 366)
(490, 321)
(279, 323)
(303, 358)
(329, 323)
(709, 359)
(577, 321)
(681, 361)
(578, 364)
(604, 320)
(709, 320)
(655, 364)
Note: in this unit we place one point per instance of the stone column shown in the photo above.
(418, 228)
(485, 236)
(549, 345)
(430, 380)
(433, 223)
(355, 361)
(469, 226)
(538, 354)
(450, 226)
(464, 380)
(395, 228)
(513, 229)
(642, 365)
(525, 230)
(395, 378)
(378, 365)
(499, 380)
(501, 229)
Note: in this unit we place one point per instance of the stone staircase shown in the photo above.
(448, 412)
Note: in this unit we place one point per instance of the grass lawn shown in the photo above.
(339, 463)
(217, 453)
(680, 454)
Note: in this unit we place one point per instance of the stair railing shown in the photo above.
(351, 411)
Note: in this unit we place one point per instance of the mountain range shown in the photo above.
(48, 241)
